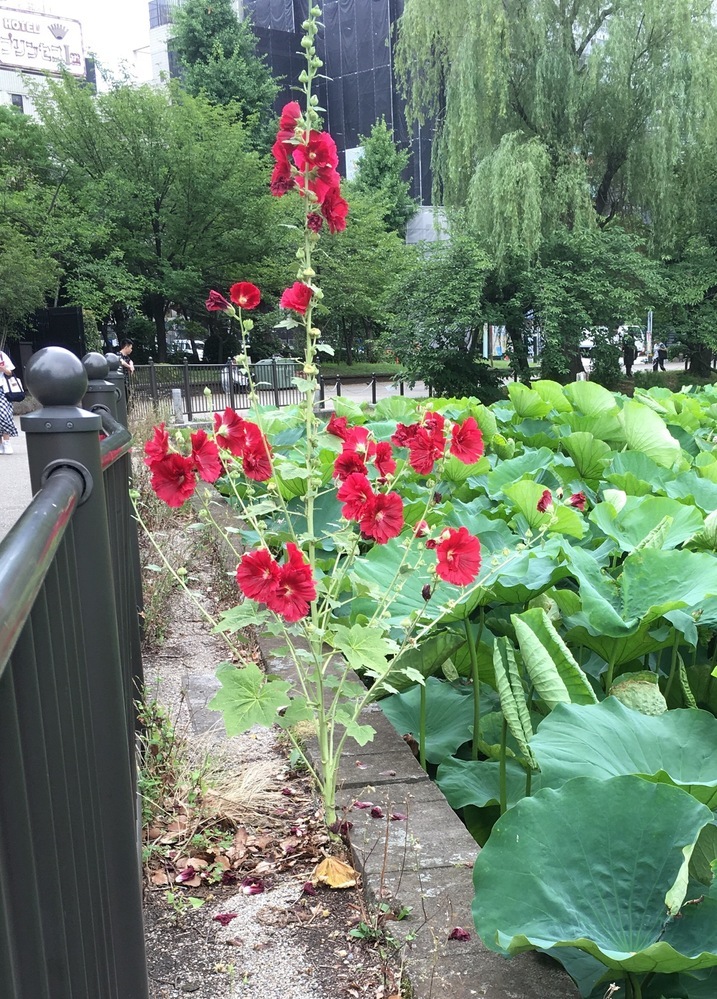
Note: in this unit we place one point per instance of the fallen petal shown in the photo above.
(308, 888)
(361, 766)
(252, 886)
(376, 812)
(458, 933)
(363, 804)
(225, 917)
(398, 817)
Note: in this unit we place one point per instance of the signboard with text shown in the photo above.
(40, 42)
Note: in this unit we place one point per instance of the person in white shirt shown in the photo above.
(7, 423)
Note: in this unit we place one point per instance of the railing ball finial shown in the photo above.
(113, 361)
(96, 366)
(56, 377)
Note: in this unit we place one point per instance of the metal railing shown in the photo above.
(70, 891)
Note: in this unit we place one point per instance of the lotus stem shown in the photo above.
(473, 651)
(634, 990)
(503, 777)
(422, 728)
(528, 782)
(673, 665)
(610, 671)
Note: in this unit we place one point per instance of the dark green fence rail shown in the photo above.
(70, 889)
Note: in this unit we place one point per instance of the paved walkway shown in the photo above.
(15, 492)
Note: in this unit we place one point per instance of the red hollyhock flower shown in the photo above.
(467, 441)
(578, 500)
(157, 448)
(434, 422)
(256, 454)
(319, 153)
(314, 221)
(205, 455)
(383, 459)
(173, 479)
(348, 462)
(545, 501)
(282, 180)
(216, 302)
(257, 575)
(230, 432)
(358, 439)
(338, 426)
(383, 518)
(421, 529)
(458, 557)
(295, 588)
(423, 451)
(404, 434)
(334, 208)
(245, 294)
(290, 115)
(356, 494)
(298, 297)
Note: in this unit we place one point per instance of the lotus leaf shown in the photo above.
(639, 515)
(646, 432)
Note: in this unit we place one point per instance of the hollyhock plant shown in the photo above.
(245, 295)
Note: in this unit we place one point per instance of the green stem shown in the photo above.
(528, 783)
(422, 728)
(635, 989)
(503, 779)
(610, 671)
(673, 665)
(473, 650)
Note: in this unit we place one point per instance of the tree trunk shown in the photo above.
(701, 363)
(158, 307)
(519, 355)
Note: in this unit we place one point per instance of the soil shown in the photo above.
(281, 936)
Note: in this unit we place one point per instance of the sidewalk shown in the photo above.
(15, 492)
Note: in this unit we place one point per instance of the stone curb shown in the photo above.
(423, 862)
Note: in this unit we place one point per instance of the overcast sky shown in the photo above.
(113, 29)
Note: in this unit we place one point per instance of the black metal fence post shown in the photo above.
(187, 389)
(373, 389)
(338, 385)
(322, 392)
(153, 383)
(116, 376)
(275, 382)
(100, 391)
(61, 435)
(401, 388)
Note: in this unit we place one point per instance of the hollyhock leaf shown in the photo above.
(364, 648)
(248, 697)
(244, 615)
(298, 711)
(361, 734)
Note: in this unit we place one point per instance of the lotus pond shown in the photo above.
(567, 707)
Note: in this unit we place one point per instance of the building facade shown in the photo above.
(34, 42)
(357, 47)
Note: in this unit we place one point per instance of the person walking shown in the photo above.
(628, 353)
(659, 355)
(7, 423)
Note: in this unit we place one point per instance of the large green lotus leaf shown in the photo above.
(348, 408)
(632, 466)
(556, 676)
(427, 658)
(648, 638)
(590, 398)
(590, 455)
(552, 392)
(605, 426)
(526, 402)
(510, 471)
(639, 515)
(527, 573)
(654, 582)
(695, 487)
(400, 408)
(609, 739)
(536, 433)
(646, 432)
(572, 868)
(600, 595)
(449, 716)
(457, 471)
(477, 782)
(562, 519)
(494, 534)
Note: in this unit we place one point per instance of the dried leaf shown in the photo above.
(159, 878)
(335, 873)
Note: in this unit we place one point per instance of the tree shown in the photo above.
(381, 169)
(438, 315)
(172, 181)
(217, 53)
(25, 280)
(556, 115)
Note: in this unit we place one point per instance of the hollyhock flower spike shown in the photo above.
(579, 501)
(245, 294)
(458, 555)
(545, 502)
(298, 297)
(217, 302)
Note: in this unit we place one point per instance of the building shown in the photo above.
(34, 42)
(357, 47)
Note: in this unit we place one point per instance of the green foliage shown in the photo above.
(381, 169)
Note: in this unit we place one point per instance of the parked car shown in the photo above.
(231, 373)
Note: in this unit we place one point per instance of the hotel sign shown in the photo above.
(40, 42)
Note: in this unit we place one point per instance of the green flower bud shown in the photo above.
(207, 392)
(303, 76)
(305, 43)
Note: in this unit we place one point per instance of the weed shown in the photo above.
(182, 904)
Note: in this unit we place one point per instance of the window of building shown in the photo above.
(159, 13)
(17, 101)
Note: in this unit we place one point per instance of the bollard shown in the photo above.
(100, 391)
(373, 389)
(116, 376)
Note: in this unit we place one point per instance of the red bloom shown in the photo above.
(245, 294)
(282, 180)
(216, 302)
(173, 479)
(256, 454)
(458, 557)
(358, 439)
(314, 221)
(356, 494)
(158, 448)
(319, 153)
(230, 432)
(545, 501)
(424, 450)
(298, 297)
(258, 575)
(383, 518)
(290, 115)
(467, 441)
(421, 529)
(334, 208)
(435, 422)
(404, 435)
(205, 455)
(338, 426)
(295, 588)
(578, 500)
(383, 459)
(348, 462)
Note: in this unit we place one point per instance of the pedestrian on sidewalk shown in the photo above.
(659, 355)
(7, 423)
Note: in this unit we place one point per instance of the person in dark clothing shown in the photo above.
(659, 356)
(628, 353)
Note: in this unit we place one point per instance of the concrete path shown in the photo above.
(15, 492)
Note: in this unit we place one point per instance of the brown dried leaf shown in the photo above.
(159, 878)
(334, 873)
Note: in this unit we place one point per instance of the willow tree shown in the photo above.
(557, 115)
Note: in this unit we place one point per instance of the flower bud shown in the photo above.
(303, 76)
(309, 272)
(315, 11)
(318, 293)
(427, 592)
(305, 43)
(314, 101)
(207, 392)
(315, 331)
